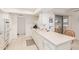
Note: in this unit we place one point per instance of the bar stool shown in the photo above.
(70, 33)
(58, 30)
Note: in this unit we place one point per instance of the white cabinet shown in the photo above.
(52, 42)
(1, 42)
(50, 46)
(7, 31)
(4, 37)
(38, 40)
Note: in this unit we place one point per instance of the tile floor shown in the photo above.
(20, 44)
(75, 45)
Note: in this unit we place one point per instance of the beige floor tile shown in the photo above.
(75, 45)
(20, 44)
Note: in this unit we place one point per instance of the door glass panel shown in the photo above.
(61, 23)
(65, 22)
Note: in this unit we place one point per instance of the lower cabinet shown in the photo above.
(48, 46)
(43, 44)
(2, 43)
(38, 40)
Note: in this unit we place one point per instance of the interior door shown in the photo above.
(21, 25)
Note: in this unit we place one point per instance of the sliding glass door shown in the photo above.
(61, 23)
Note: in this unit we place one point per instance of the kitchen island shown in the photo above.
(51, 40)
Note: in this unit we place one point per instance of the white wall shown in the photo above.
(44, 20)
(74, 24)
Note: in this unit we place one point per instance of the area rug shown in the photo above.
(30, 42)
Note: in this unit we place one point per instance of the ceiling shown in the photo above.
(27, 9)
(19, 10)
(32, 11)
(61, 11)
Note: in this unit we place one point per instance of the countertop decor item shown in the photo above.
(35, 26)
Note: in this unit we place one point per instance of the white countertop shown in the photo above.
(54, 38)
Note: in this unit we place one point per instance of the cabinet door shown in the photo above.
(38, 40)
(34, 36)
(48, 45)
(64, 46)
